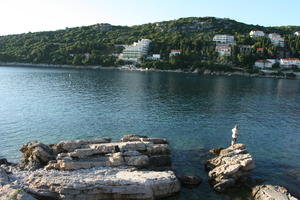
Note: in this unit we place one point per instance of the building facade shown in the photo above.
(135, 51)
(224, 39)
(223, 50)
(276, 39)
(297, 33)
(174, 52)
(289, 62)
(256, 33)
(263, 64)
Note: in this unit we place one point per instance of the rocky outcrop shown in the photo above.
(132, 150)
(91, 169)
(229, 167)
(35, 155)
(99, 183)
(270, 192)
(3, 177)
(13, 192)
(9, 190)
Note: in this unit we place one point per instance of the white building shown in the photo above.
(135, 51)
(223, 50)
(262, 64)
(175, 52)
(297, 33)
(224, 39)
(276, 39)
(88, 55)
(256, 33)
(154, 57)
(289, 62)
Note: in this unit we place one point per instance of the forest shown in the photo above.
(103, 42)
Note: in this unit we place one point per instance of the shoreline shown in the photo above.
(95, 67)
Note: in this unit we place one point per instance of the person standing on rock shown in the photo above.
(234, 134)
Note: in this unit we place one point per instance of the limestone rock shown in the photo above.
(270, 192)
(135, 150)
(216, 150)
(132, 137)
(3, 161)
(3, 177)
(136, 138)
(229, 167)
(8, 192)
(71, 145)
(190, 180)
(35, 155)
(138, 161)
(100, 183)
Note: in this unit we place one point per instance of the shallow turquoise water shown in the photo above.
(194, 112)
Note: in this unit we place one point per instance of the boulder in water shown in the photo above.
(271, 192)
(190, 180)
(230, 166)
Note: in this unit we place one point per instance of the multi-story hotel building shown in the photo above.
(224, 39)
(135, 51)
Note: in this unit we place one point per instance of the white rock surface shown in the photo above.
(13, 192)
(132, 150)
(270, 192)
(100, 183)
(229, 167)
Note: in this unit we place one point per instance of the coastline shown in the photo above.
(96, 67)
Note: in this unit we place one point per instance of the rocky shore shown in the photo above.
(134, 168)
(231, 168)
(196, 71)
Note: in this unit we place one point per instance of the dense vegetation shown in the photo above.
(192, 35)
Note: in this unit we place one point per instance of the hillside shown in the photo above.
(192, 35)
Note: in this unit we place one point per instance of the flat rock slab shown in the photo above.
(100, 183)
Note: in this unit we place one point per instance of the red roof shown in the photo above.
(290, 59)
(223, 47)
(263, 61)
(176, 50)
(260, 49)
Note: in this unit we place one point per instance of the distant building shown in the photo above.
(260, 50)
(88, 55)
(256, 33)
(262, 64)
(276, 39)
(135, 51)
(297, 33)
(223, 50)
(245, 49)
(174, 52)
(154, 57)
(224, 39)
(289, 62)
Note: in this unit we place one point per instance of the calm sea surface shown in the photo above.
(195, 113)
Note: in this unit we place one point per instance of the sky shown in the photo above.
(22, 16)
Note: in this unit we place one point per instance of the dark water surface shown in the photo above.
(195, 113)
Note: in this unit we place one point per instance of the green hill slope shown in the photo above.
(192, 35)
